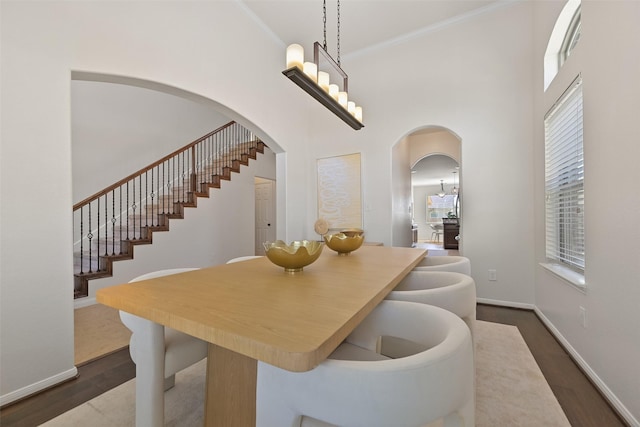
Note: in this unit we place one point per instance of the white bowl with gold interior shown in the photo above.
(295, 256)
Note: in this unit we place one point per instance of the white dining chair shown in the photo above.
(357, 386)
(452, 291)
(455, 263)
(176, 351)
(437, 230)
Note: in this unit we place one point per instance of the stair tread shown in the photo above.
(164, 204)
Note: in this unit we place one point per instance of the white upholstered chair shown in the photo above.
(356, 386)
(243, 258)
(157, 372)
(455, 292)
(457, 264)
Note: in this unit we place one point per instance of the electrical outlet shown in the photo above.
(493, 275)
(583, 317)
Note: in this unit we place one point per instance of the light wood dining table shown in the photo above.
(254, 310)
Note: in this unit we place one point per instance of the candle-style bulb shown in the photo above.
(295, 56)
(311, 70)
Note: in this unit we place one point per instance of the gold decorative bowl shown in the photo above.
(295, 256)
(344, 243)
(352, 232)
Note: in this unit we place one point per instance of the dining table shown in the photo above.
(254, 311)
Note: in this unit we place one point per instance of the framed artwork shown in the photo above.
(339, 191)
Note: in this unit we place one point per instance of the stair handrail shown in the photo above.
(110, 222)
(149, 167)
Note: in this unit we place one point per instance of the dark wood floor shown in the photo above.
(580, 400)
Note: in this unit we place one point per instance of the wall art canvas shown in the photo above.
(339, 191)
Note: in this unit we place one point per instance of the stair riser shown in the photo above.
(152, 214)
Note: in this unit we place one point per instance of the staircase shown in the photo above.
(109, 224)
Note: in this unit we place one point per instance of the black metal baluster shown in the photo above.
(164, 198)
(181, 177)
(205, 166)
(106, 236)
(173, 181)
(98, 234)
(223, 147)
(168, 185)
(218, 155)
(133, 207)
(81, 240)
(227, 153)
(199, 167)
(120, 217)
(113, 222)
(127, 210)
(234, 141)
(153, 207)
(90, 238)
(140, 205)
(159, 200)
(146, 203)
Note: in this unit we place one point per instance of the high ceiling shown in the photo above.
(363, 23)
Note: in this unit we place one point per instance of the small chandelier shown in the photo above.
(454, 190)
(441, 193)
(316, 82)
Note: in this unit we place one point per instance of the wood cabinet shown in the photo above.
(451, 231)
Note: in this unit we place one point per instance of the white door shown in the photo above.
(265, 213)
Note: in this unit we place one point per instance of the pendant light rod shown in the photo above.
(442, 192)
(310, 78)
(454, 190)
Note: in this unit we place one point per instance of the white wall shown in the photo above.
(181, 45)
(480, 78)
(607, 56)
(118, 129)
(474, 78)
(440, 142)
(401, 234)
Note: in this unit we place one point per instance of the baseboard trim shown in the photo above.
(509, 304)
(84, 302)
(593, 377)
(37, 387)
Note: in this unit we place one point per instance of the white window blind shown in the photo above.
(564, 179)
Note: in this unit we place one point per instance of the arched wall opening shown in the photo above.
(439, 150)
(108, 146)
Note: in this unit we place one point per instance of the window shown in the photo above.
(564, 38)
(571, 38)
(564, 180)
(441, 207)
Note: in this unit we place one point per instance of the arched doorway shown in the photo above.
(434, 190)
(430, 149)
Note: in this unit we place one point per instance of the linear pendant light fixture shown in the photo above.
(316, 82)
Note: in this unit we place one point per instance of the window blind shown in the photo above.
(564, 179)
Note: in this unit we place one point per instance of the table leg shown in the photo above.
(149, 374)
(230, 398)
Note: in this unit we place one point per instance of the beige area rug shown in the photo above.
(98, 332)
(511, 391)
